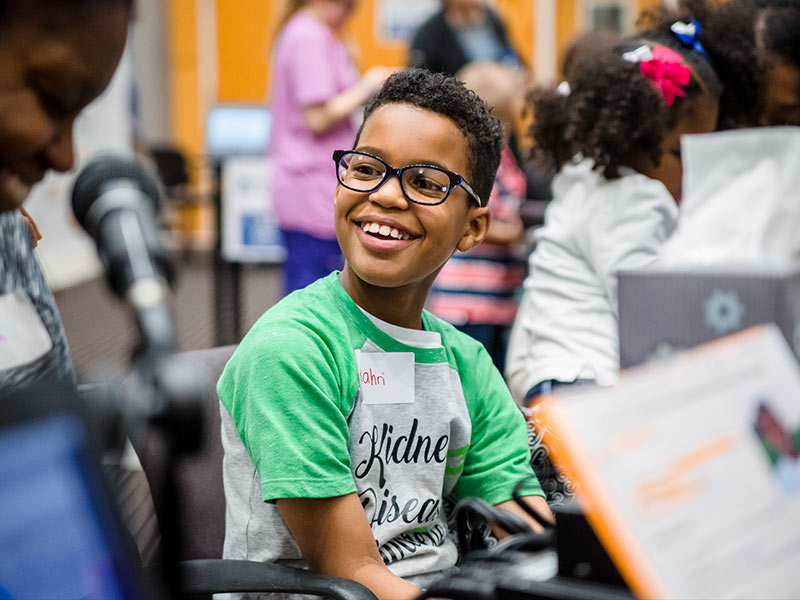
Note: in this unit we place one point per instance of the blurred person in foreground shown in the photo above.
(316, 89)
(462, 31)
(55, 58)
(477, 290)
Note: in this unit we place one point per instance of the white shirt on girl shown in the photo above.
(594, 227)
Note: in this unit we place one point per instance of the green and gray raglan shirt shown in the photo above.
(321, 399)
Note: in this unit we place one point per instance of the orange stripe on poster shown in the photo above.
(601, 511)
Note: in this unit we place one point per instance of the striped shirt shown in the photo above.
(480, 286)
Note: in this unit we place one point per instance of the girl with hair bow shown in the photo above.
(612, 133)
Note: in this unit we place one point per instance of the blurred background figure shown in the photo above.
(613, 134)
(476, 290)
(774, 31)
(582, 48)
(315, 91)
(462, 31)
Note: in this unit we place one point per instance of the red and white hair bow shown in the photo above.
(664, 68)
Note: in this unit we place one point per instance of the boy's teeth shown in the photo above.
(385, 231)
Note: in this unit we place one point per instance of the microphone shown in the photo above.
(116, 201)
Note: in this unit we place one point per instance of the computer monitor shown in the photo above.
(237, 129)
(59, 534)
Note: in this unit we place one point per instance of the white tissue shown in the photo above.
(741, 198)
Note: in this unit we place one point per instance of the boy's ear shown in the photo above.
(478, 221)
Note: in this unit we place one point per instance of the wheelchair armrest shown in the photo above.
(210, 576)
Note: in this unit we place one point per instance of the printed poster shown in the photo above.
(250, 230)
(689, 470)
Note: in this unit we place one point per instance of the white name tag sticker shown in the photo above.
(386, 377)
(23, 336)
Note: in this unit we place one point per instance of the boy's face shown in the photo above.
(404, 135)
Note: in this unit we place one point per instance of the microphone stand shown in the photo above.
(172, 392)
(167, 400)
(115, 200)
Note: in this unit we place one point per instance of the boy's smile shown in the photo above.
(389, 241)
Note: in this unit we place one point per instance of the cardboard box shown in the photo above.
(662, 310)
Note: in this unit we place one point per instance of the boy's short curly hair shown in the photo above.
(613, 115)
(445, 95)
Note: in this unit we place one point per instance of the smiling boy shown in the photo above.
(350, 412)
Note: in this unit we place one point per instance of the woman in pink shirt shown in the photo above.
(315, 90)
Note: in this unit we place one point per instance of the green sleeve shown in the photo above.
(283, 391)
(498, 456)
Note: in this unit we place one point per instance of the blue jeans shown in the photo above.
(548, 385)
(493, 337)
(308, 258)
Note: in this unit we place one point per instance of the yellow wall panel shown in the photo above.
(567, 28)
(243, 44)
(183, 58)
(372, 50)
(518, 18)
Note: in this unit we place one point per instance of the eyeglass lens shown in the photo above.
(426, 185)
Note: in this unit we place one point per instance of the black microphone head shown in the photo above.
(100, 172)
(111, 196)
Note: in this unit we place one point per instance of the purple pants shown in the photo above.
(308, 258)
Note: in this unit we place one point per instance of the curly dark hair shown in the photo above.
(613, 115)
(727, 34)
(777, 28)
(447, 96)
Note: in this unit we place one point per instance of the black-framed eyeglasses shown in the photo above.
(422, 184)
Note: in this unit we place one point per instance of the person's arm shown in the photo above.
(629, 231)
(537, 503)
(335, 538)
(517, 352)
(498, 458)
(322, 116)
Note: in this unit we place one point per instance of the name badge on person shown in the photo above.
(386, 377)
(23, 336)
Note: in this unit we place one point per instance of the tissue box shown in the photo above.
(662, 310)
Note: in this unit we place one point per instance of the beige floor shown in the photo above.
(102, 333)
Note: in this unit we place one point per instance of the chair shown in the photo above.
(183, 202)
(202, 511)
